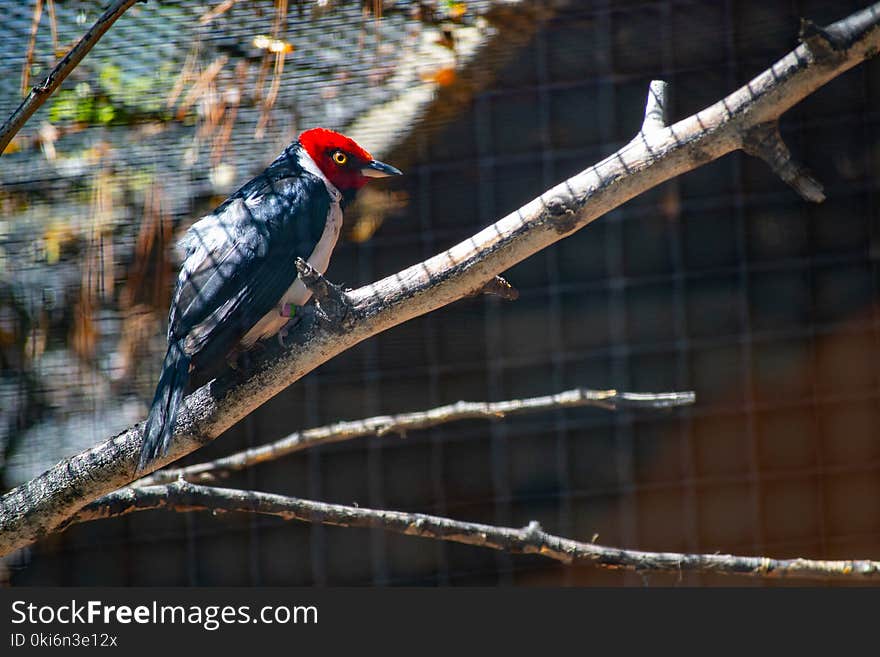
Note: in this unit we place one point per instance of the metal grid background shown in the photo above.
(722, 281)
(162, 165)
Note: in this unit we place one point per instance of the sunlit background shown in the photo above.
(722, 281)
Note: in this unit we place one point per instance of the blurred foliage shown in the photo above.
(114, 96)
(153, 129)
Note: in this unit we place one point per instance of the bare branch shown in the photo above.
(40, 93)
(183, 496)
(765, 142)
(36, 507)
(400, 424)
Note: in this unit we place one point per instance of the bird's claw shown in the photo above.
(287, 310)
(238, 362)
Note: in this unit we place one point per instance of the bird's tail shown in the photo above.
(163, 413)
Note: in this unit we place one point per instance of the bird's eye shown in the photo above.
(340, 158)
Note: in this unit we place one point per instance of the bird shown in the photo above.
(238, 282)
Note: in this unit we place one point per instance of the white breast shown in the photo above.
(298, 294)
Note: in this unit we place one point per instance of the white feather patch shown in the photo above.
(298, 294)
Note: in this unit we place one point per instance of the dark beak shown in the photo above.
(376, 169)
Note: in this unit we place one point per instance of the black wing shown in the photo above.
(241, 259)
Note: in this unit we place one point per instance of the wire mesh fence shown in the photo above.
(722, 281)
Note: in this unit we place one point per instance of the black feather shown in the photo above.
(239, 261)
(163, 412)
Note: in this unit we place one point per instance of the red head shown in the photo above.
(346, 165)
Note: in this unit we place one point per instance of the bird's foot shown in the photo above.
(242, 360)
(239, 362)
(287, 310)
(232, 359)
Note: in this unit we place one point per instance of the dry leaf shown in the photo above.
(447, 39)
(457, 10)
(443, 77)
(276, 46)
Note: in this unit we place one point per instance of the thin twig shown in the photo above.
(32, 43)
(400, 424)
(216, 11)
(183, 496)
(278, 25)
(40, 93)
(53, 27)
(200, 85)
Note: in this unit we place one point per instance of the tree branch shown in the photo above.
(765, 142)
(41, 92)
(384, 425)
(183, 496)
(33, 509)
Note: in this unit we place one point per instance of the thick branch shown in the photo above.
(41, 92)
(35, 508)
(400, 424)
(184, 496)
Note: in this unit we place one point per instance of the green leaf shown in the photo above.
(105, 113)
(110, 79)
(63, 106)
(84, 109)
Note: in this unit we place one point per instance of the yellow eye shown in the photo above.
(340, 158)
